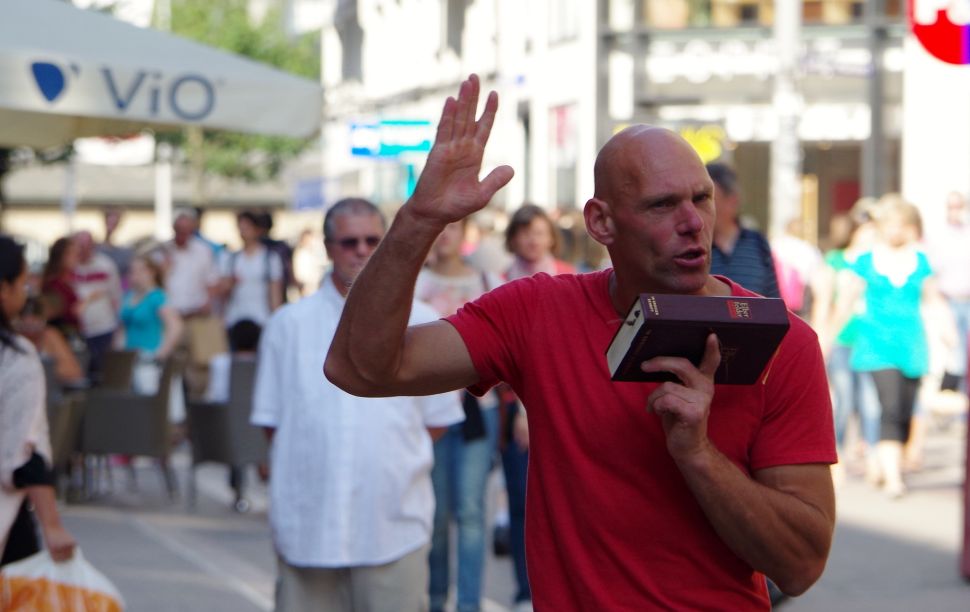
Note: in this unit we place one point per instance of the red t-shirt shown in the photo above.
(610, 522)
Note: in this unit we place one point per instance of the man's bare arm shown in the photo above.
(780, 521)
(374, 353)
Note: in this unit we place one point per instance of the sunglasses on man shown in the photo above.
(351, 243)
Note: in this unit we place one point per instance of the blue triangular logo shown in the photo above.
(49, 79)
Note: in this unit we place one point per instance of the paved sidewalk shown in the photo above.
(899, 555)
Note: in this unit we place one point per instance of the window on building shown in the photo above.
(732, 13)
(563, 20)
(453, 24)
(351, 40)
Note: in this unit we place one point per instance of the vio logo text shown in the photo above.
(190, 97)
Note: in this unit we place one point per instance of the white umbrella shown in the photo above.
(67, 73)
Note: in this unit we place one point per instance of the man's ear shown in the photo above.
(599, 221)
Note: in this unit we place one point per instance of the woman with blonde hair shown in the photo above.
(896, 281)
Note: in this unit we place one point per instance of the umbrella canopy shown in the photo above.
(67, 73)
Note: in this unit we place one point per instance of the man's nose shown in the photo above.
(690, 221)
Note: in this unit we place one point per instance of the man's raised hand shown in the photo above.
(449, 189)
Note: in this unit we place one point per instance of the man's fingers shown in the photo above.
(447, 123)
(712, 357)
(495, 180)
(467, 107)
(461, 112)
(484, 127)
(472, 110)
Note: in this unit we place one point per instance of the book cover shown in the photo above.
(749, 330)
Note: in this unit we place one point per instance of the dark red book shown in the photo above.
(749, 331)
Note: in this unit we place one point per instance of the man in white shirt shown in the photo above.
(98, 286)
(190, 270)
(350, 485)
(191, 278)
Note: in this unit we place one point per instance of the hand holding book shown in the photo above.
(684, 407)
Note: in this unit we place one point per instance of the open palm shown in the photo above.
(449, 189)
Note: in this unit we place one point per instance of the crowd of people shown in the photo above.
(500, 358)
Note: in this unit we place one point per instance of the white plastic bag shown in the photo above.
(38, 584)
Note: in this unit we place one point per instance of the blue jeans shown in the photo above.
(852, 391)
(515, 464)
(957, 363)
(459, 476)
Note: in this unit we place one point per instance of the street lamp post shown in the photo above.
(786, 155)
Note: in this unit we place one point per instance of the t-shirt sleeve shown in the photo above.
(492, 328)
(797, 426)
(275, 266)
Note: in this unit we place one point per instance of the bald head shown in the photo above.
(621, 162)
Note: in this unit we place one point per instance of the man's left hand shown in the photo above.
(684, 407)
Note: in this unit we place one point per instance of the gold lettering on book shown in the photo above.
(739, 310)
(652, 305)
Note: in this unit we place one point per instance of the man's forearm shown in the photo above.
(368, 342)
(776, 531)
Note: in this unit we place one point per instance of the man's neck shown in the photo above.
(342, 288)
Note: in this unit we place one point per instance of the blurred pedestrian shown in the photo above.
(463, 455)
(61, 300)
(798, 263)
(533, 240)
(49, 342)
(191, 282)
(150, 325)
(26, 477)
(950, 259)
(896, 281)
(264, 223)
(252, 277)
(351, 500)
(739, 253)
(99, 288)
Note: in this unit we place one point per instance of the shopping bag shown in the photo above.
(38, 584)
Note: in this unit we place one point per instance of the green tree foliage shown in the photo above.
(226, 24)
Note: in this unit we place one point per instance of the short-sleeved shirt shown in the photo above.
(142, 320)
(890, 331)
(610, 522)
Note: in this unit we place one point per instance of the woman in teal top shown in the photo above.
(149, 326)
(890, 341)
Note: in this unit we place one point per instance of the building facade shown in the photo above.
(570, 73)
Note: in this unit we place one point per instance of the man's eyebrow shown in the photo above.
(661, 198)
